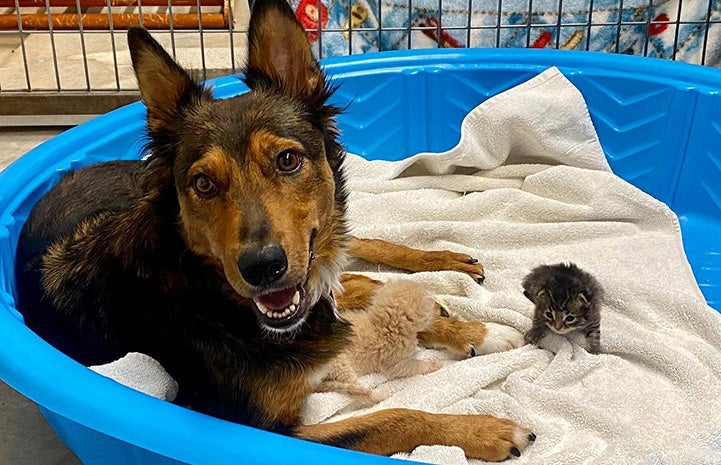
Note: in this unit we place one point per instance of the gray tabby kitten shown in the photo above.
(566, 299)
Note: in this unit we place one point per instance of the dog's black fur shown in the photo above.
(162, 256)
(128, 281)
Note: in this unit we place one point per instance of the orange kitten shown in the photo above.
(384, 339)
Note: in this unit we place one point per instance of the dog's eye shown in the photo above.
(288, 161)
(204, 186)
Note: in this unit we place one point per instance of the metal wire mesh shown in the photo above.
(78, 46)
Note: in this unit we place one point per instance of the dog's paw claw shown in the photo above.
(442, 311)
(445, 260)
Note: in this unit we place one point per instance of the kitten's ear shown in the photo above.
(528, 296)
(279, 53)
(582, 299)
(165, 87)
(540, 297)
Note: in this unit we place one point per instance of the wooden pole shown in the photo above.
(95, 21)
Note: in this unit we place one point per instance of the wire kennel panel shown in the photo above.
(55, 47)
(69, 57)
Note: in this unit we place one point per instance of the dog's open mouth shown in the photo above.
(281, 310)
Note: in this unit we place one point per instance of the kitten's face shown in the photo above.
(563, 311)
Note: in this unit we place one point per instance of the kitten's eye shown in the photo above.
(570, 319)
(549, 315)
(288, 162)
(204, 186)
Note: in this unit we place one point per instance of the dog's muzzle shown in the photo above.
(262, 267)
(283, 310)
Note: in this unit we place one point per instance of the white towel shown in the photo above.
(529, 184)
(142, 373)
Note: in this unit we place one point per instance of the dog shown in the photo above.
(218, 254)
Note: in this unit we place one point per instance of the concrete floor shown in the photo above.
(25, 437)
(99, 59)
(29, 63)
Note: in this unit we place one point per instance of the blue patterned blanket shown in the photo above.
(657, 28)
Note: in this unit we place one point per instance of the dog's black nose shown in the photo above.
(261, 267)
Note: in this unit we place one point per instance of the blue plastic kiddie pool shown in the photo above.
(658, 121)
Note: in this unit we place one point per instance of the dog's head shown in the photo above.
(258, 176)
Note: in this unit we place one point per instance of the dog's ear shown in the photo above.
(165, 87)
(279, 54)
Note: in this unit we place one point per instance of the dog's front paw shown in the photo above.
(498, 338)
(489, 438)
(444, 260)
(470, 338)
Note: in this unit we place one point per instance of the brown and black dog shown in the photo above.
(218, 254)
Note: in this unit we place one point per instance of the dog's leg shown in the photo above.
(357, 291)
(390, 431)
(468, 337)
(448, 332)
(409, 259)
(463, 337)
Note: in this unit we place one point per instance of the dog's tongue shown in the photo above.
(277, 300)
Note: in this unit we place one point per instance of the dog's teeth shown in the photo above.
(278, 314)
(263, 309)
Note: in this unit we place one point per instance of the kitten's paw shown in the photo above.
(498, 338)
(412, 368)
(429, 367)
(594, 350)
(377, 397)
(530, 338)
